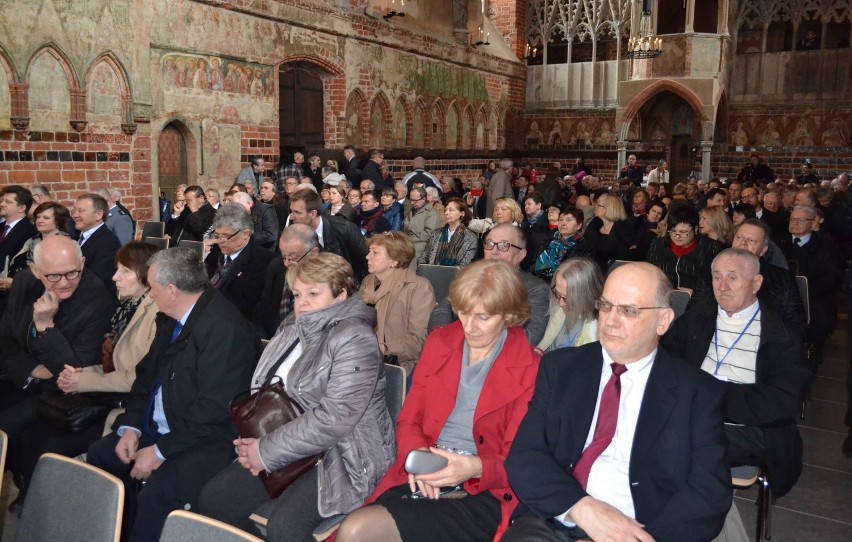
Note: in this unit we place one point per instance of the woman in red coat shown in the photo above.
(470, 392)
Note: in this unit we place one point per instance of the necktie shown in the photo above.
(219, 276)
(150, 427)
(797, 241)
(605, 427)
(82, 238)
(4, 233)
(286, 302)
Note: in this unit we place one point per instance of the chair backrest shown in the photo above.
(4, 445)
(197, 246)
(183, 526)
(395, 391)
(615, 264)
(159, 242)
(71, 501)
(680, 300)
(153, 229)
(802, 284)
(440, 277)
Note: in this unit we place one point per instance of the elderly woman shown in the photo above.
(453, 244)
(127, 341)
(567, 243)
(684, 256)
(713, 222)
(609, 232)
(506, 211)
(433, 198)
(391, 209)
(403, 301)
(470, 392)
(51, 218)
(573, 321)
(328, 359)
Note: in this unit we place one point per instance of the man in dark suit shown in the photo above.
(57, 315)
(602, 456)
(336, 234)
(99, 245)
(264, 219)
(373, 169)
(237, 264)
(352, 166)
(176, 433)
(194, 220)
(744, 343)
(15, 201)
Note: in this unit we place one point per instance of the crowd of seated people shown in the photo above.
(328, 273)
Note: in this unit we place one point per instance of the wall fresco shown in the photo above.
(5, 101)
(49, 99)
(103, 99)
(186, 73)
(221, 147)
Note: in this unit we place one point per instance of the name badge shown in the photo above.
(721, 378)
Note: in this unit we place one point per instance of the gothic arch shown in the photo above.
(61, 58)
(420, 122)
(124, 98)
(437, 125)
(182, 125)
(481, 119)
(626, 115)
(6, 62)
(468, 128)
(408, 121)
(355, 128)
(381, 105)
(452, 130)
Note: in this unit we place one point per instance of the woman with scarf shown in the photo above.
(454, 244)
(403, 301)
(567, 243)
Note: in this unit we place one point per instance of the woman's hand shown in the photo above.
(69, 379)
(248, 454)
(5, 284)
(460, 468)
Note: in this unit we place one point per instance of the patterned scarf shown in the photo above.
(117, 324)
(448, 249)
(554, 254)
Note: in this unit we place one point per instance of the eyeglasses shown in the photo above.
(559, 297)
(502, 246)
(224, 237)
(412, 200)
(680, 234)
(56, 277)
(291, 260)
(628, 311)
(800, 220)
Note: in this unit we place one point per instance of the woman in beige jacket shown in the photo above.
(127, 341)
(403, 301)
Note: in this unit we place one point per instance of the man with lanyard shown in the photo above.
(745, 345)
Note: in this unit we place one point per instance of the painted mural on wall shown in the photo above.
(807, 130)
(221, 152)
(49, 98)
(182, 73)
(103, 99)
(400, 128)
(5, 101)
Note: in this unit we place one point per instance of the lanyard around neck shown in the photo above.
(719, 362)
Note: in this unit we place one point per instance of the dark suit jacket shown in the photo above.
(267, 312)
(373, 172)
(243, 285)
(266, 228)
(100, 250)
(343, 237)
(15, 239)
(680, 484)
(210, 362)
(773, 401)
(76, 340)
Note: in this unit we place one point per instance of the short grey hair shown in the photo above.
(39, 189)
(752, 263)
(420, 191)
(757, 223)
(233, 216)
(419, 162)
(307, 186)
(810, 211)
(432, 191)
(506, 163)
(304, 235)
(180, 266)
(115, 193)
(370, 184)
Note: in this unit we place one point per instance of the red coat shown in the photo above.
(502, 405)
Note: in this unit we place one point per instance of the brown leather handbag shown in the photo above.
(259, 411)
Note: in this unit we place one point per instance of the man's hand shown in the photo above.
(178, 208)
(146, 462)
(69, 379)
(44, 309)
(605, 523)
(41, 372)
(127, 446)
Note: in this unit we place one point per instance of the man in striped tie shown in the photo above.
(622, 441)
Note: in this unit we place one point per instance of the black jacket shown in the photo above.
(266, 228)
(343, 237)
(15, 239)
(210, 362)
(684, 271)
(76, 340)
(772, 402)
(243, 284)
(100, 250)
(373, 172)
(191, 226)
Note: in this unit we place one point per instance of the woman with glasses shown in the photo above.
(609, 232)
(470, 391)
(684, 256)
(454, 244)
(126, 342)
(573, 320)
(403, 301)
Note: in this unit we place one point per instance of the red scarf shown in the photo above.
(683, 251)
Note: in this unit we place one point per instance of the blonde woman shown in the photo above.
(713, 222)
(609, 232)
(506, 211)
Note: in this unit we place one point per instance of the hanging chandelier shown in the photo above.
(645, 45)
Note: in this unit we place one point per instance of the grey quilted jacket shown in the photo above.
(339, 381)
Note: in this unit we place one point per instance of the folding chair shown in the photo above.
(745, 477)
(183, 526)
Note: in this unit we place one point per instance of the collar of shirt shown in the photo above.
(319, 234)
(804, 239)
(185, 316)
(633, 369)
(744, 314)
(236, 254)
(12, 224)
(88, 233)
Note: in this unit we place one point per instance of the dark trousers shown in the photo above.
(535, 529)
(40, 438)
(234, 494)
(18, 409)
(145, 507)
(746, 445)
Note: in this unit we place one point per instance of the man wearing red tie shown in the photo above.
(622, 441)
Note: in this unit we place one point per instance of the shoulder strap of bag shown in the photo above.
(271, 374)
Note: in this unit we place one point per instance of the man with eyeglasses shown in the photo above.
(420, 221)
(57, 315)
(236, 265)
(508, 243)
(814, 257)
(621, 440)
(744, 344)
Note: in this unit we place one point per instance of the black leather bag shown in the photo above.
(259, 411)
(79, 411)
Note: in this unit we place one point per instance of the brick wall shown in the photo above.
(785, 162)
